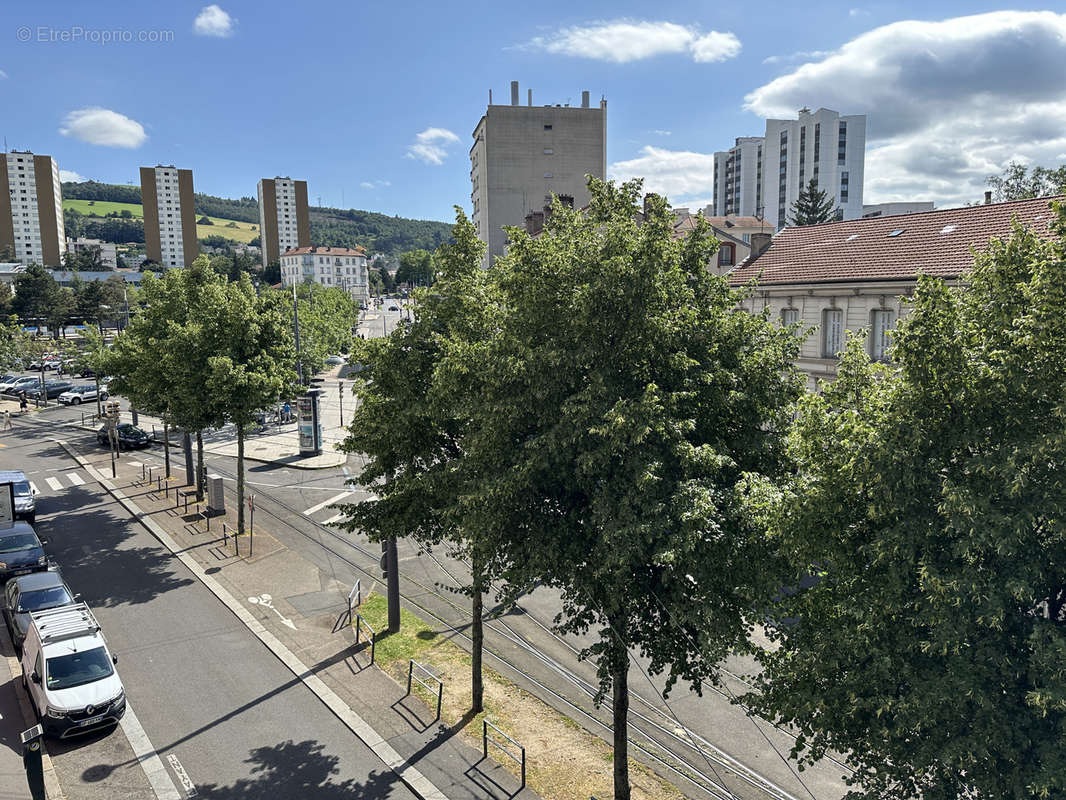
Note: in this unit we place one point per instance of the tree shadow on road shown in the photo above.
(302, 770)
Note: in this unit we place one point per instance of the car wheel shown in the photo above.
(76, 401)
(32, 519)
(103, 395)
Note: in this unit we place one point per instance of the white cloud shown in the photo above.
(66, 175)
(799, 55)
(947, 102)
(3, 75)
(431, 145)
(858, 12)
(375, 184)
(662, 133)
(103, 127)
(213, 21)
(684, 177)
(626, 40)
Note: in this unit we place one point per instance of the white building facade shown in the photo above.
(738, 179)
(822, 145)
(108, 251)
(332, 267)
(31, 209)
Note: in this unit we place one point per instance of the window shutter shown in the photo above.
(833, 322)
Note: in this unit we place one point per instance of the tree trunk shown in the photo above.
(240, 480)
(620, 685)
(199, 466)
(477, 639)
(166, 446)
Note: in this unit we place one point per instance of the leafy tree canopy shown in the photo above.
(1018, 182)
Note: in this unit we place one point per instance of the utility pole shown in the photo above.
(340, 388)
(190, 474)
(391, 573)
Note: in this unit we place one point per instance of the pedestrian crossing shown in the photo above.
(55, 483)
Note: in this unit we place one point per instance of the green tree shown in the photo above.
(37, 295)
(1017, 182)
(88, 301)
(813, 206)
(625, 413)
(413, 420)
(272, 273)
(929, 500)
(416, 268)
(388, 284)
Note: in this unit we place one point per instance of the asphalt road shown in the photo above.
(226, 719)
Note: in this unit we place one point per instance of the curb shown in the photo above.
(52, 789)
(411, 777)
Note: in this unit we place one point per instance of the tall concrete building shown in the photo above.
(169, 216)
(284, 223)
(822, 145)
(31, 210)
(523, 154)
(738, 179)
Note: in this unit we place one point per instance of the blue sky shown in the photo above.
(373, 103)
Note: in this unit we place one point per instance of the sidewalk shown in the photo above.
(12, 775)
(286, 599)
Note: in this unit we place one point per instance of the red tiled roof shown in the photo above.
(325, 251)
(933, 242)
(740, 222)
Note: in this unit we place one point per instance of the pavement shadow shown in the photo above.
(98, 556)
(302, 770)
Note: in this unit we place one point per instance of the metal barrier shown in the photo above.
(485, 741)
(228, 532)
(206, 518)
(411, 664)
(357, 591)
(362, 623)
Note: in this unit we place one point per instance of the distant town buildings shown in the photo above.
(284, 223)
(763, 176)
(31, 209)
(523, 154)
(894, 209)
(169, 216)
(332, 267)
(108, 251)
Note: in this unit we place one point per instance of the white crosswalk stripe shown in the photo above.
(33, 487)
(54, 484)
(333, 519)
(325, 503)
(75, 479)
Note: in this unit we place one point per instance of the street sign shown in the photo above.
(251, 502)
(7, 504)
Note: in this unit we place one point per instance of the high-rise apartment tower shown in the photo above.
(169, 216)
(284, 223)
(31, 210)
(523, 154)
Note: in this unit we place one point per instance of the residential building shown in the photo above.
(895, 209)
(108, 252)
(736, 237)
(857, 275)
(822, 145)
(10, 270)
(738, 179)
(522, 155)
(67, 278)
(332, 267)
(284, 223)
(31, 209)
(169, 216)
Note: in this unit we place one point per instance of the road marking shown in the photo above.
(54, 483)
(322, 505)
(183, 776)
(333, 519)
(157, 774)
(33, 487)
(75, 479)
(267, 601)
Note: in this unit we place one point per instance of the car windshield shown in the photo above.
(17, 541)
(22, 487)
(74, 669)
(129, 430)
(43, 598)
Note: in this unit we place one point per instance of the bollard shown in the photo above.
(142, 472)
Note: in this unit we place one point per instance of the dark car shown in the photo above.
(52, 390)
(34, 592)
(20, 551)
(129, 436)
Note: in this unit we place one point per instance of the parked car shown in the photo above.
(82, 393)
(69, 673)
(20, 551)
(51, 390)
(36, 591)
(393, 307)
(23, 385)
(335, 360)
(25, 502)
(129, 437)
(46, 363)
(8, 382)
(83, 371)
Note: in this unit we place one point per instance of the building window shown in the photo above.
(881, 322)
(548, 151)
(726, 255)
(547, 127)
(842, 144)
(547, 174)
(789, 316)
(832, 332)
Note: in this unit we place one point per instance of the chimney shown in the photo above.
(759, 243)
(514, 93)
(529, 96)
(988, 197)
(490, 97)
(585, 99)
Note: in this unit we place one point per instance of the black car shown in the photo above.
(33, 592)
(52, 390)
(129, 437)
(20, 551)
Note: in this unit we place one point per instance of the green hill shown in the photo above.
(96, 210)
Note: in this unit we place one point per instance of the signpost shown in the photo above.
(112, 433)
(251, 522)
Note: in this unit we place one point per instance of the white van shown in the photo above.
(69, 673)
